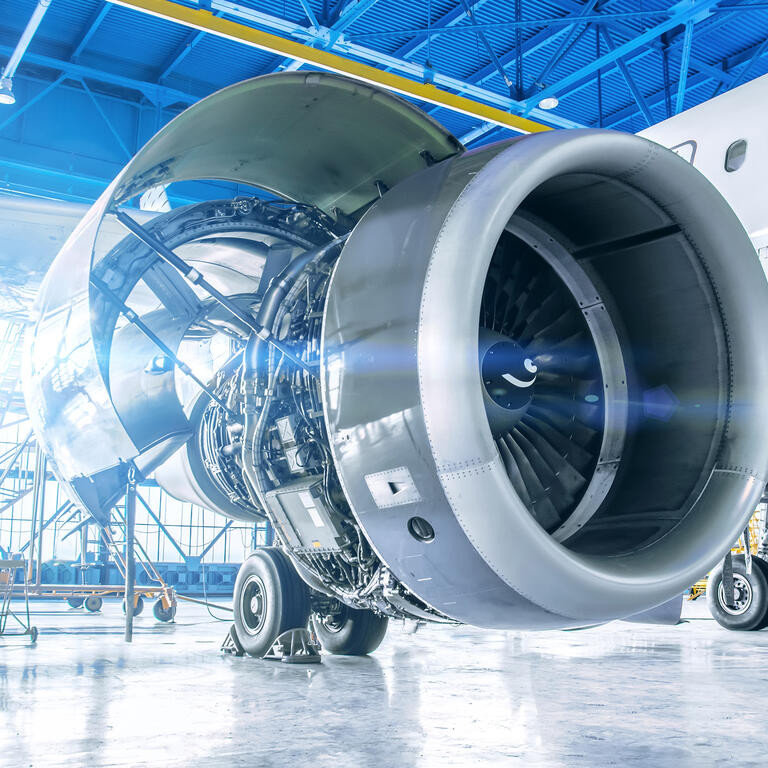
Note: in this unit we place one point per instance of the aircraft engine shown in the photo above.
(519, 386)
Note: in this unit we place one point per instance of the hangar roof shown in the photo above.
(98, 79)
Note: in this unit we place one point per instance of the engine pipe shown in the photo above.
(276, 294)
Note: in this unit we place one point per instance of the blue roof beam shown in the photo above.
(180, 54)
(157, 94)
(518, 51)
(647, 42)
(492, 54)
(568, 41)
(747, 68)
(311, 18)
(536, 42)
(455, 16)
(386, 61)
(496, 26)
(684, 62)
(691, 11)
(19, 111)
(351, 13)
(669, 40)
(347, 15)
(90, 30)
(604, 18)
(637, 94)
(533, 44)
(694, 81)
(106, 120)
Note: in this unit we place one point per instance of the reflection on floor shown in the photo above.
(623, 694)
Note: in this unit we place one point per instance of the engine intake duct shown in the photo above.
(556, 342)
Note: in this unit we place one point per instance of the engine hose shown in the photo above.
(253, 433)
(269, 316)
(257, 347)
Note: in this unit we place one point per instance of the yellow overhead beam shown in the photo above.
(205, 21)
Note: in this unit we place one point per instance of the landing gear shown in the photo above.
(138, 607)
(350, 632)
(269, 599)
(93, 604)
(749, 607)
(163, 614)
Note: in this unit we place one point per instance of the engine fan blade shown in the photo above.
(567, 424)
(554, 490)
(571, 480)
(551, 309)
(569, 449)
(541, 507)
(513, 472)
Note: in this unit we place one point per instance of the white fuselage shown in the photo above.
(703, 136)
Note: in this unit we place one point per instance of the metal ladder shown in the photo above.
(113, 535)
(8, 571)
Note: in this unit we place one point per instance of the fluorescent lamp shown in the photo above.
(6, 91)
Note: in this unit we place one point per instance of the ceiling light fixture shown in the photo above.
(6, 91)
(549, 103)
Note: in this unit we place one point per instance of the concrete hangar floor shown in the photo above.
(618, 695)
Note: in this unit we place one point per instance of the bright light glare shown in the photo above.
(6, 92)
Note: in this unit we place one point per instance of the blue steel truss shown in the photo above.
(99, 79)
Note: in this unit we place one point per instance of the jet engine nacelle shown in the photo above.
(533, 392)
(615, 475)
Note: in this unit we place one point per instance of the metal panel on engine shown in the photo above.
(302, 516)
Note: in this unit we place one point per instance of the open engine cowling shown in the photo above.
(533, 391)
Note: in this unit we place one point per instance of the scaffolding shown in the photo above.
(67, 553)
(8, 571)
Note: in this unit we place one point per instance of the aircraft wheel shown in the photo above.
(163, 614)
(269, 598)
(763, 566)
(138, 608)
(750, 608)
(350, 632)
(93, 603)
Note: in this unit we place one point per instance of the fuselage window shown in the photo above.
(735, 155)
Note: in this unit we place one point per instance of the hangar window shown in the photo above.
(735, 155)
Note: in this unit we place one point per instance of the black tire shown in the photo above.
(93, 603)
(763, 565)
(269, 598)
(75, 602)
(138, 608)
(751, 598)
(163, 614)
(350, 632)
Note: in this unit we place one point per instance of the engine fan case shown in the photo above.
(404, 409)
